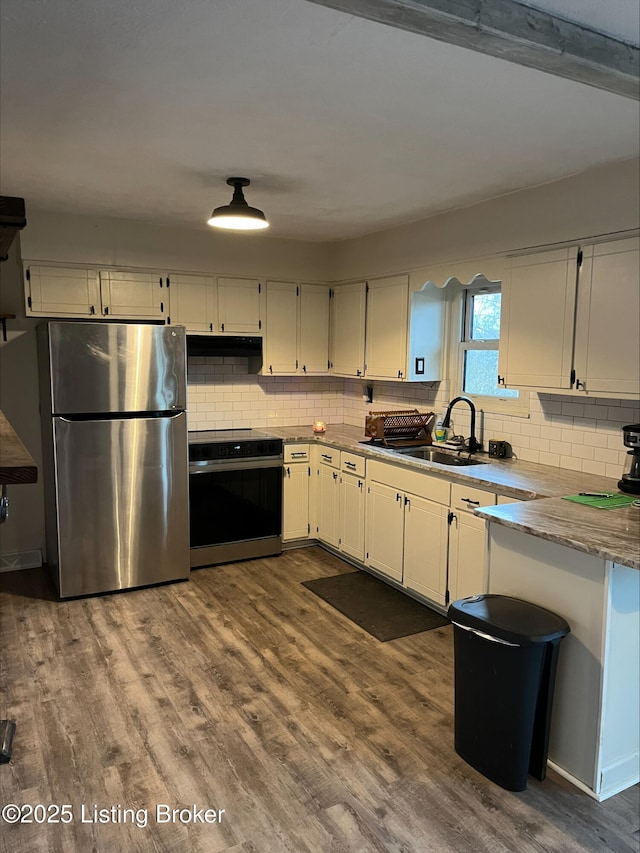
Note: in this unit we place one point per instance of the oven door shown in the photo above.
(235, 510)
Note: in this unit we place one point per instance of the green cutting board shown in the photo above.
(614, 502)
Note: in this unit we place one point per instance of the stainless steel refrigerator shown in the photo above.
(113, 398)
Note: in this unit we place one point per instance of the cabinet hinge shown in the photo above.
(29, 301)
(28, 275)
(580, 258)
(572, 377)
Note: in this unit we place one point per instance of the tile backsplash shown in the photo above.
(563, 431)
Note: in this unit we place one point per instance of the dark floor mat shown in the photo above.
(375, 606)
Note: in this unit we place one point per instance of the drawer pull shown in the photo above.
(350, 464)
(469, 501)
(299, 453)
(327, 457)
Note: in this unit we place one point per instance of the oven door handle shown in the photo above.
(219, 465)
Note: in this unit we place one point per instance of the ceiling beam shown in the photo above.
(514, 32)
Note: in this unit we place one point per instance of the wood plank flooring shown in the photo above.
(242, 690)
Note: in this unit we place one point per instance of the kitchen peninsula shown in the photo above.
(580, 562)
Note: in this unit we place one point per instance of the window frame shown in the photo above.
(516, 406)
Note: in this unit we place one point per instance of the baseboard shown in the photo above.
(573, 779)
(20, 560)
(619, 776)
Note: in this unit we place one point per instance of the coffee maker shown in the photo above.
(630, 481)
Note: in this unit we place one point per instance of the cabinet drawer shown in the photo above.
(352, 464)
(406, 480)
(469, 497)
(505, 499)
(329, 456)
(296, 453)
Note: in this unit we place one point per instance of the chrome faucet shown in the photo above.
(473, 443)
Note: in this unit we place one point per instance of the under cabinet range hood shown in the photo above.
(12, 220)
(239, 346)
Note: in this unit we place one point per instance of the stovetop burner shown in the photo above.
(220, 436)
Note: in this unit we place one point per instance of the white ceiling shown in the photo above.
(142, 108)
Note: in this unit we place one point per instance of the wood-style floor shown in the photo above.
(242, 690)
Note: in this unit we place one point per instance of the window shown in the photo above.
(479, 351)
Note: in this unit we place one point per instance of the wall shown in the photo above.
(65, 238)
(600, 201)
(561, 431)
(221, 394)
(23, 533)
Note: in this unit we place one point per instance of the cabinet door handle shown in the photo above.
(360, 484)
(288, 471)
(222, 327)
(407, 501)
(304, 368)
(500, 380)
(398, 496)
(211, 327)
(270, 368)
(335, 476)
(92, 309)
(581, 384)
(469, 501)
(358, 373)
(399, 374)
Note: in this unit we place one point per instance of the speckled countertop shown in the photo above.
(611, 534)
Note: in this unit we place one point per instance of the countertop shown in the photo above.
(611, 534)
(16, 463)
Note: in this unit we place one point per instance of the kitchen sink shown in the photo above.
(431, 454)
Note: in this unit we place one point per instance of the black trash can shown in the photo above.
(506, 653)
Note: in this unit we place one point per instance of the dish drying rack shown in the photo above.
(401, 428)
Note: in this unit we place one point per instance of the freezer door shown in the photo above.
(99, 368)
(121, 503)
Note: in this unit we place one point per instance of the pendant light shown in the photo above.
(237, 215)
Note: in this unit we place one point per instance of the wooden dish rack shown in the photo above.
(400, 427)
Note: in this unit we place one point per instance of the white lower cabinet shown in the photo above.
(352, 505)
(467, 542)
(406, 528)
(295, 492)
(327, 501)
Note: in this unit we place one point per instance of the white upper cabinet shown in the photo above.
(61, 291)
(386, 328)
(240, 305)
(313, 329)
(281, 320)
(607, 349)
(536, 327)
(347, 329)
(296, 332)
(133, 295)
(193, 303)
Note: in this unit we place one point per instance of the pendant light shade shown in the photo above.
(237, 215)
